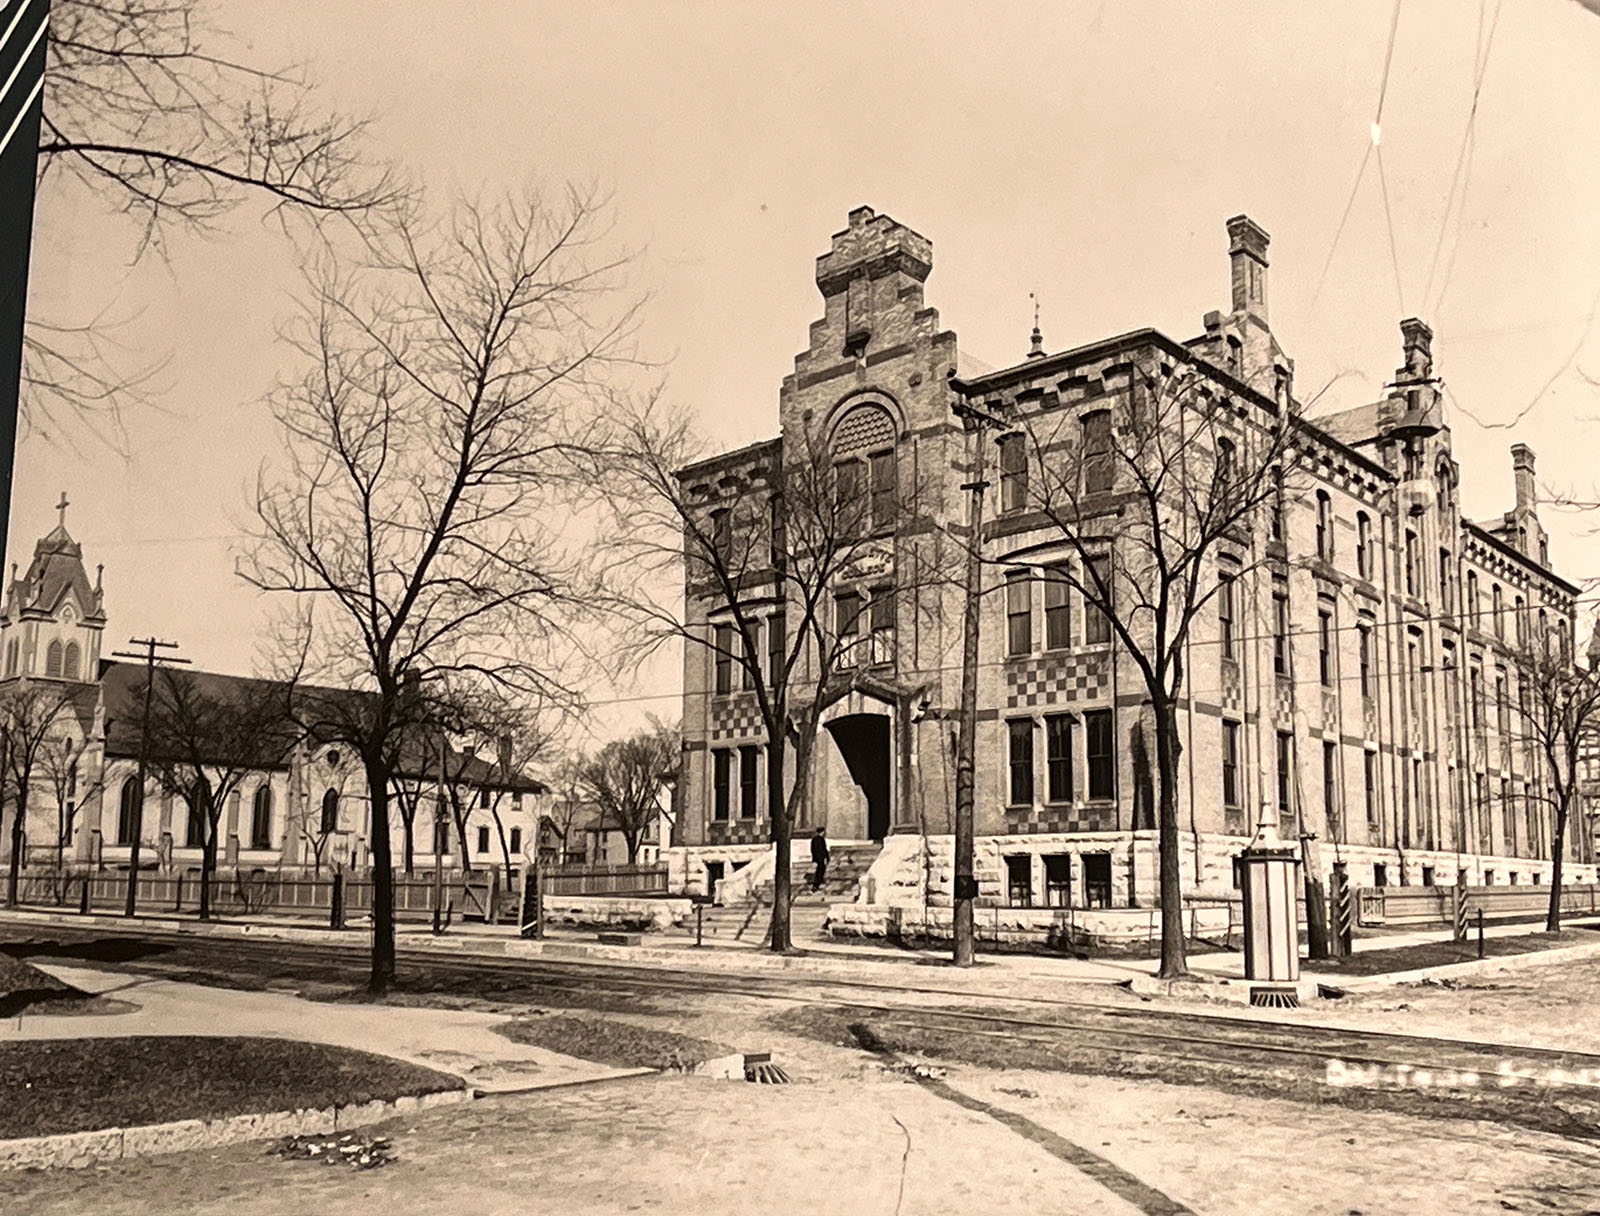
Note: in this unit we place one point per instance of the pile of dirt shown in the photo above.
(24, 987)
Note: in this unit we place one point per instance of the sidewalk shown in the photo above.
(453, 1041)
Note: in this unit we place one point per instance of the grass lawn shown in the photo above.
(75, 1085)
(24, 987)
(606, 1041)
(1443, 953)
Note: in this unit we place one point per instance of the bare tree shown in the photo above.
(155, 115)
(1557, 722)
(626, 779)
(1142, 499)
(31, 713)
(567, 800)
(754, 558)
(71, 786)
(208, 736)
(444, 418)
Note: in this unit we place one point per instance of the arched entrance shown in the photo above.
(864, 744)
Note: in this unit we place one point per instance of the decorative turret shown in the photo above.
(52, 617)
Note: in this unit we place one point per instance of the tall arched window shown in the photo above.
(330, 812)
(866, 484)
(199, 807)
(128, 811)
(69, 665)
(52, 659)
(261, 819)
(11, 657)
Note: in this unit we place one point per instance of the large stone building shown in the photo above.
(1359, 676)
(306, 810)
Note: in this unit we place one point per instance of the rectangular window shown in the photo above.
(1446, 600)
(1330, 782)
(1519, 623)
(1502, 705)
(1473, 607)
(721, 777)
(1058, 880)
(1324, 527)
(1226, 608)
(1097, 880)
(722, 535)
(723, 658)
(1285, 776)
(1411, 562)
(1019, 733)
(1275, 515)
(1369, 782)
(1019, 880)
(1058, 757)
(1364, 634)
(1057, 614)
(1100, 746)
(1019, 613)
(847, 498)
(516, 842)
(747, 670)
(1280, 627)
(747, 781)
(847, 620)
(483, 840)
(1013, 473)
(885, 490)
(1099, 474)
(880, 621)
(1097, 624)
(776, 650)
(1380, 874)
(1363, 545)
(1325, 648)
(1230, 766)
(1499, 608)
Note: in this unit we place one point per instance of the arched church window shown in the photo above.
(70, 664)
(128, 811)
(52, 659)
(11, 657)
(261, 819)
(199, 812)
(330, 812)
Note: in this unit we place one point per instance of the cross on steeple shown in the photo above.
(62, 508)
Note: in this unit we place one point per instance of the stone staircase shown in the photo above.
(748, 920)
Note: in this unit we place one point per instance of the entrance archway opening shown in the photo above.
(863, 742)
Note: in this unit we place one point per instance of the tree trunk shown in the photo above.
(778, 813)
(461, 838)
(13, 877)
(1552, 919)
(408, 820)
(383, 961)
(1174, 962)
(208, 862)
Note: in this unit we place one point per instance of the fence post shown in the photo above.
(1480, 932)
(1461, 906)
(699, 924)
(83, 897)
(336, 902)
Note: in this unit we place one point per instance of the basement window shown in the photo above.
(1058, 880)
(1019, 881)
(1097, 880)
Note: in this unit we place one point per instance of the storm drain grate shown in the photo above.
(760, 1070)
(1275, 998)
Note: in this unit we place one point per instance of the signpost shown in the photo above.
(22, 47)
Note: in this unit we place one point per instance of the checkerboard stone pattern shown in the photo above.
(1230, 685)
(736, 717)
(1054, 679)
(739, 831)
(1027, 821)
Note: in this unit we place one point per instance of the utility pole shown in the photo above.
(966, 883)
(149, 656)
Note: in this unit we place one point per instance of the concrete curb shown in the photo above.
(76, 1150)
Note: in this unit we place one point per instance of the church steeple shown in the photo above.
(53, 617)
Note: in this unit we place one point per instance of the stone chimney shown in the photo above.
(1522, 472)
(1417, 341)
(1247, 259)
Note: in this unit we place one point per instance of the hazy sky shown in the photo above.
(1087, 151)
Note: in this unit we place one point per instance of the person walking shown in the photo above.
(819, 857)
